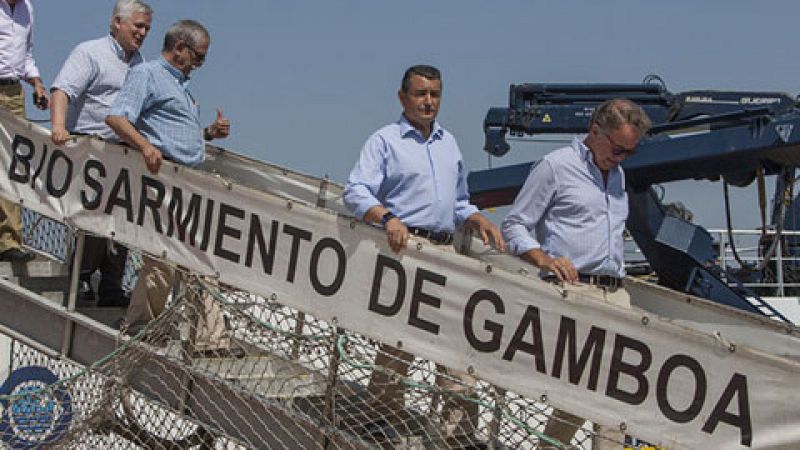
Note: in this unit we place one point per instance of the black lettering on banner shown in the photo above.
(297, 234)
(494, 328)
(384, 262)
(536, 348)
(736, 387)
(123, 184)
(40, 167)
(23, 160)
(622, 343)
(190, 221)
(593, 346)
(223, 230)
(153, 204)
(94, 183)
(207, 224)
(257, 236)
(341, 266)
(662, 391)
(417, 297)
(52, 189)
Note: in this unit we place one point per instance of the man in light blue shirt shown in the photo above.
(81, 98)
(410, 176)
(574, 201)
(157, 115)
(410, 179)
(154, 111)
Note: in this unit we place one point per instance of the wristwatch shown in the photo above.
(386, 218)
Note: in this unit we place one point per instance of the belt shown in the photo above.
(595, 280)
(8, 81)
(436, 237)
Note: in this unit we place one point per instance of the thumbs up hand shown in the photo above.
(220, 128)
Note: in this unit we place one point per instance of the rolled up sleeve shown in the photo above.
(76, 73)
(364, 182)
(529, 208)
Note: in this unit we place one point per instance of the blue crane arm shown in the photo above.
(726, 130)
(566, 108)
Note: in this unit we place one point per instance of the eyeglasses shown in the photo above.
(198, 58)
(618, 150)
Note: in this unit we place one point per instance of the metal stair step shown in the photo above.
(268, 376)
(51, 288)
(44, 276)
(107, 315)
(39, 267)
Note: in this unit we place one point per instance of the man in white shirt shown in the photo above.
(16, 63)
(82, 95)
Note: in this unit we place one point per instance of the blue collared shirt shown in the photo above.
(573, 212)
(91, 77)
(422, 181)
(156, 100)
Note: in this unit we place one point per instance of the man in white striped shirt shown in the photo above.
(575, 201)
(82, 95)
(92, 75)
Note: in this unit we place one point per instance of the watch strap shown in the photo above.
(387, 217)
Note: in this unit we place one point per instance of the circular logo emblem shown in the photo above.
(34, 415)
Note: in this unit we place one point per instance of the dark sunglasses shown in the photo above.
(198, 58)
(618, 150)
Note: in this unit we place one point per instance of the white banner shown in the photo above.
(661, 382)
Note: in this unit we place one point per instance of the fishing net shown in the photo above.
(279, 379)
(270, 376)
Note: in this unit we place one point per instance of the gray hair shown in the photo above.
(188, 31)
(612, 114)
(124, 9)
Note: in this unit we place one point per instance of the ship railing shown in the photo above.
(750, 244)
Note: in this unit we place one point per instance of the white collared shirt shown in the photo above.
(16, 41)
(91, 77)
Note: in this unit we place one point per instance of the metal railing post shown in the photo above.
(74, 287)
(779, 262)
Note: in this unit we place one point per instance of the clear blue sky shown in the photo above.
(304, 83)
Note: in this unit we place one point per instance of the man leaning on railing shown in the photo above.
(156, 98)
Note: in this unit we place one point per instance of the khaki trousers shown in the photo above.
(149, 298)
(12, 98)
(460, 417)
(563, 425)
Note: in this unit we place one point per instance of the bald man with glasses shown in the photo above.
(156, 114)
